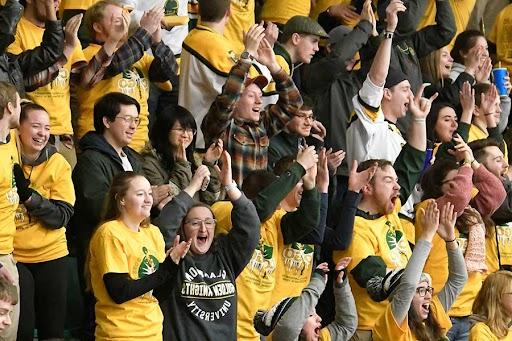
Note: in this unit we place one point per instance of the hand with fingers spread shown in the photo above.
(159, 193)
(473, 61)
(394, 7)
(343, 13)
(71, 34)
(117, 30)
(357, 180)
(307, 157)
(467, 99)
(324, 269)
(483, 73)
(179, 249)
(461, 151)
(226, 177)
(267, 57)
(310, 178)
(340, 269)
(196, 182)
(334, 159)
(419, 106)
(447, 223)
(318, 130)
(488, 105)
(151, 20)
(430, 219)
(252, 39)
(368, 15)
(271, 32)
(322, 176)
(214, 152)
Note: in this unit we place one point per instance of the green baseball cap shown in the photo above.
(302, 24)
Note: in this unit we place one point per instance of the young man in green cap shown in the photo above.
(299, 42)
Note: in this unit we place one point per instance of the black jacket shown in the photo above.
(15, 69)
(92, 176)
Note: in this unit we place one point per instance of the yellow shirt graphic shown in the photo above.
(387, 329)
(54, 97)
(501, 35)
(384, 237)
(8, 193)
(133, 82)
(256, 283)
(116, 248)
(34, 243)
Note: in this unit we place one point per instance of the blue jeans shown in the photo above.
(459, 330)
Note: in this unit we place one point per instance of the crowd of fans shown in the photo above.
(255, 170)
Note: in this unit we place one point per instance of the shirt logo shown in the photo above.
(171, 7)
(297, 258)
(262, 262)
(133, 79)
(398, 246)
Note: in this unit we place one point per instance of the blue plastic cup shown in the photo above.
(499, 75)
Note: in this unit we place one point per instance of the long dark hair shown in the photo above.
(432, 180)
(424, 330)
(159, 134)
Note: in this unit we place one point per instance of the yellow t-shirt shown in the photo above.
(481, 332)
(279, 11)
(294, 267)
(500, 35)
(256, 283)
(386, 328)
(505, 245)
(462, 10)
(76, 4)
(463, 305)
(115, 248)
(8, 193)
(133, 82)
(33, 243)
(55, 96)
(322, 5)
(384, 237)
(241, 18)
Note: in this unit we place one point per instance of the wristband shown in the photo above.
(419, 120)
(388, 34)
(451, 241)
(230, 187)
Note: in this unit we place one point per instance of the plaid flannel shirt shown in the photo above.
(246, 141)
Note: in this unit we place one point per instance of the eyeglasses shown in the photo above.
(186, 130)
(422, 291)
(197, 223)
(129, 119)
(306, 117)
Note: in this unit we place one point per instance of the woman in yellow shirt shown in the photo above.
(40, 248)
(127, 260)
(492, 309)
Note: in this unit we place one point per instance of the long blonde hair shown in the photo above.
(430, 67)
(488, 305)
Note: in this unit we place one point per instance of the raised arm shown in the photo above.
(172, 212)
(433, 37)
(458, 275)
(269, 198)
(239, 244)
(275, 116)
(409, 281)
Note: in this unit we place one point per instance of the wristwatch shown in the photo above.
(246, 55)
(388, 35)
(230, 186)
